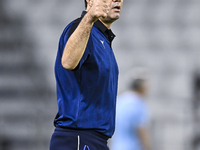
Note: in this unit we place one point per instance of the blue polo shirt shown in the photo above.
(86, 96)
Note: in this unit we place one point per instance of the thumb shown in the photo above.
(110, 2)
(91, 2)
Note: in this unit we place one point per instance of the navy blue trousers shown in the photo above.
(70, 139)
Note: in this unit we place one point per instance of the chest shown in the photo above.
(102, 53)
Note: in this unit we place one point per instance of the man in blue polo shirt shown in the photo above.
(87, 75)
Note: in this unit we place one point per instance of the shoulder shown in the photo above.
(69, 29)
(125, 102)
(73, 25)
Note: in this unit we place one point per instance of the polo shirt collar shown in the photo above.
(107, 32)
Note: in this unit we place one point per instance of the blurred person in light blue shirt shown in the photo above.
(132, 117)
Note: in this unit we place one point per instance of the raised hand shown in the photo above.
(99, 8)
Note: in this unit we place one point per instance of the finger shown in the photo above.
(96, 1)
(104, 15)
(110, 2)
(104, 1)
(92, 2)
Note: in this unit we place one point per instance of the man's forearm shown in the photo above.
(143, 135)
(76, 44)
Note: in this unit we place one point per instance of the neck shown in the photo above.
(107, 24)
(140, 93)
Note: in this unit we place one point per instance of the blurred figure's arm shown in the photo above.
(144, 138)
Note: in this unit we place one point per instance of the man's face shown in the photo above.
(114, 14)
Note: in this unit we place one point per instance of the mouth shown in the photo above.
(117, 8)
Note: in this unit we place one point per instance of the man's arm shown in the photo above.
(144, 138)
(76, 44)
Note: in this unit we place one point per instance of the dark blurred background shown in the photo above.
(160, 35)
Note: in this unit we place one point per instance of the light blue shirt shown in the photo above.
(131, 113)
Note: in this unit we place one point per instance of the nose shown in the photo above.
(116, 0)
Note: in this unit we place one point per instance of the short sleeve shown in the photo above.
(66, 36)
(140, 116)
(86, 54)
